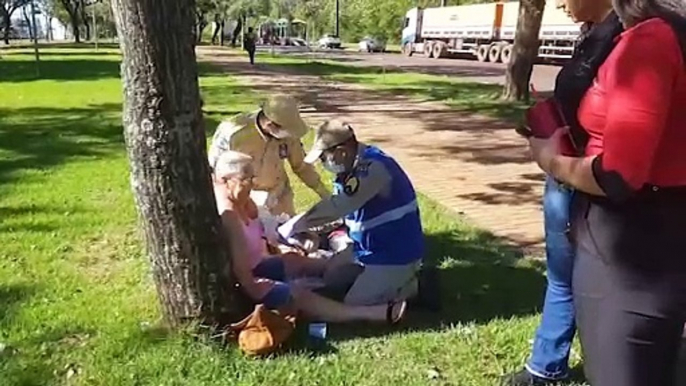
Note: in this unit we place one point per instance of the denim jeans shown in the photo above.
(554, 336)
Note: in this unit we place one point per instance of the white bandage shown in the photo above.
(232, 164)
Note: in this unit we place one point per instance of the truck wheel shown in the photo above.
(482, 53)
(439, 50)
(494, 53)
(407, 49)
(506, 54)
(429, 49)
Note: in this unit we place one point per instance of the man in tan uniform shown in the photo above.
(270, 135)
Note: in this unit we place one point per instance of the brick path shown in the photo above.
(474, 165)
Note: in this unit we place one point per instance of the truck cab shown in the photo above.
(410, 34)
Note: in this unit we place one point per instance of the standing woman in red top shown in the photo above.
(629, 214)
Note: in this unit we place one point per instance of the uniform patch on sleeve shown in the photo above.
(351, 185)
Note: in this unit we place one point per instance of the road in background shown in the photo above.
(493, 73)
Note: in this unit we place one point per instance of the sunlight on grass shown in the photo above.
(77, 302)
(460, 94)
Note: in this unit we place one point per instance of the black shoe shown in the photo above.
(525, 378)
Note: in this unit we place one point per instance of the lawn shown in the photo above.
(456, 92)
(77, 303)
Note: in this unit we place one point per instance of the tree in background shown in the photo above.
(74, 14)
(317, 14)
(80, 13)
(170, 176)
(203, 10)
(524, 51)
(241, 10)
(85, 18)
(379, 18)
(7, 9)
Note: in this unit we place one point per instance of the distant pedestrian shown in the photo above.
(250, 44)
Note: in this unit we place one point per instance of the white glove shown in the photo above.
(308, 242)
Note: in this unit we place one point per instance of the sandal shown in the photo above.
(401, 312)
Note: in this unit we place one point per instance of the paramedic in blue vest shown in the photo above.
(378, 204)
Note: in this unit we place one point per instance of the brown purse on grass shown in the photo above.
(263, 331)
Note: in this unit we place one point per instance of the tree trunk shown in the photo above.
(201, 24)
(524, 51)
(236, 31)
(217, 30)
(75, 26)
(85, 19)
(170, 176)
(48, 27)
(87, 28)
(7, 27)
(27, 20)
(222, 24)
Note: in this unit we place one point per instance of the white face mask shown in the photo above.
(280, 134)
(333, 167)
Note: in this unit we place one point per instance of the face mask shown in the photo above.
(280, 134)
(333, 167)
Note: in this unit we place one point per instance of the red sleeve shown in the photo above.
(641, 77)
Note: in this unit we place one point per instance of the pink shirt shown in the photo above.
(254, 241)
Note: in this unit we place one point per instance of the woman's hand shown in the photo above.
(544, 150)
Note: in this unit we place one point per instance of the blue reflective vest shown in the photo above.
(387, 229)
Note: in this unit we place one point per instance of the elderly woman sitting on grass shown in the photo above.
(266, 278)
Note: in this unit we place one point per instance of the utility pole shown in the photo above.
(338, 17)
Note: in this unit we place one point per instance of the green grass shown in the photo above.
(458, 93)
(77, 303)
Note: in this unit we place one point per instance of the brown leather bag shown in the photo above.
(263, 331)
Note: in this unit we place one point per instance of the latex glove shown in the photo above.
(308, 242)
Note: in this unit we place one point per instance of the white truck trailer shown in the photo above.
(484, 31)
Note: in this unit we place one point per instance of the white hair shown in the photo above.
(232, 164)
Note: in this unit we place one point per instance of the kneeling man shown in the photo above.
(378, 203)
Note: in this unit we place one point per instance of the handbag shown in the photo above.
(263, 331)
(542, 120)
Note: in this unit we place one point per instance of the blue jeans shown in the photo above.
(554, 336)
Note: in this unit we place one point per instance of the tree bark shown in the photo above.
(217, 29)
(7, 27)
(201, 24)
(27, 20)
(72, 8)
(48, 26)
(236, 31)
(170, 175)
(524, 51)
(85, 19)
(75, 27)
(221, 32)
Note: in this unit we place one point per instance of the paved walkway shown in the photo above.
(474, 165)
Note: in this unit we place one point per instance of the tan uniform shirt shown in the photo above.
(241, 134)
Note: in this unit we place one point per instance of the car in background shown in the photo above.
(329, 41)
(371, 44)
